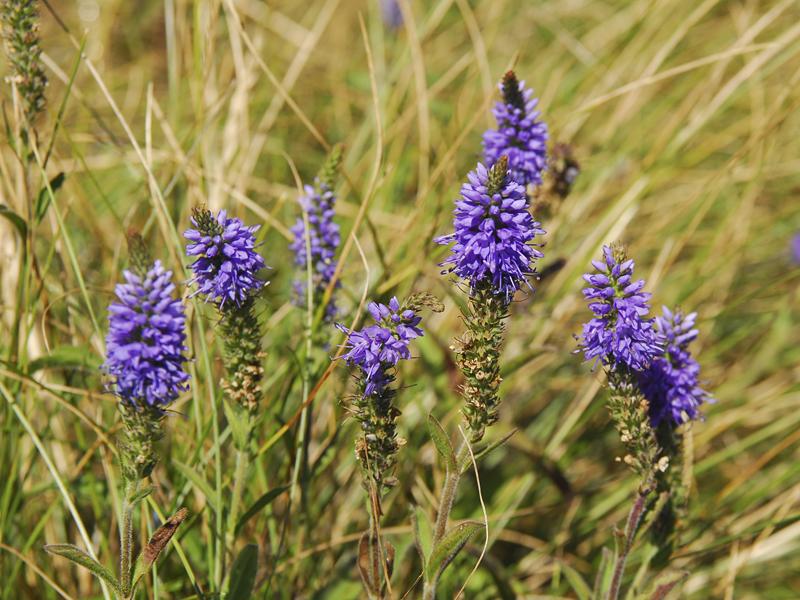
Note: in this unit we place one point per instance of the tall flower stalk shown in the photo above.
(20, 21)
(651, 377)
(315, 243)
(316, 239)
(374, 353)
(672, 387)
(226, 271)
(145, 356)
(493, 252)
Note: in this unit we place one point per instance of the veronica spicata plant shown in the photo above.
(493, 251)
(374, 352)
(520, 135)
(227, 271)
(650, 377)
(316, 240)
(672, 387)
(144, 359)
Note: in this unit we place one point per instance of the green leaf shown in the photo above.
(17, 221)
(259, 505)
(156, 545)
(603, 577)
(442, 442)
(243, 573)
(423, 533)
(576, 581)
(43, 200)
(66, 357)
(449, 546)
(141, 495)
(239, 422)
(482, 451)
(198, 481)
(79, 557)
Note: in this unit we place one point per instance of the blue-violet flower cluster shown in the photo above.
(391, 13)
(376, 349)
(493, 232)
(323, 237)
(145, 342)
(671, 382)
(619, 335)
(226, 264)
(520, 134)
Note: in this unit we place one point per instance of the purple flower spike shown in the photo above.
(376, 349)
(226, 264)
(323, 236)
(795, 248)
(391, 13)
(493, 232)
(671, 382)
(145, 342)
(520, 134)
(619, 335)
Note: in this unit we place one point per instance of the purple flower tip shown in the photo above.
(619, 335)
(145, 342)
(226, 264)
(376, 349)
(493, 234)
(671, 382)
(520, 134)
(795, 247)
(323, 237)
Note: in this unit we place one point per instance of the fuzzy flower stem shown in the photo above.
(478, 357)
(20, 21)
(632, 526)
(126, 536)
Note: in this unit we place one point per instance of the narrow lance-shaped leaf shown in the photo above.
(80, 557)
(259, 505)
(442, 442)
(423, 533)
(243, 573)
(449, 546)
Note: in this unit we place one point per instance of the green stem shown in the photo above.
(446, 501)
(632, 526)
(239, 476)
(126, 537)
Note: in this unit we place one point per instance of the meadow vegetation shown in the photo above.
(683, 117)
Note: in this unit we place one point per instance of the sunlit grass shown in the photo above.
(684, 118)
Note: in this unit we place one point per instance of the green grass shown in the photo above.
(684, 118)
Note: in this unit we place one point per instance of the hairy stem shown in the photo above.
(446, 501)
(126, 536)
(632, 526)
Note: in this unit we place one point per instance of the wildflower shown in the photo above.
(375, 351)
(226, 265)
(493, 232)
(145, 342)
(378, 348)
(670, 383)
(519, 134)
(323, 236)
(795, 248)
(619, 335)
(391, 14)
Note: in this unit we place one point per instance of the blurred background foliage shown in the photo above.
(684, 118)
